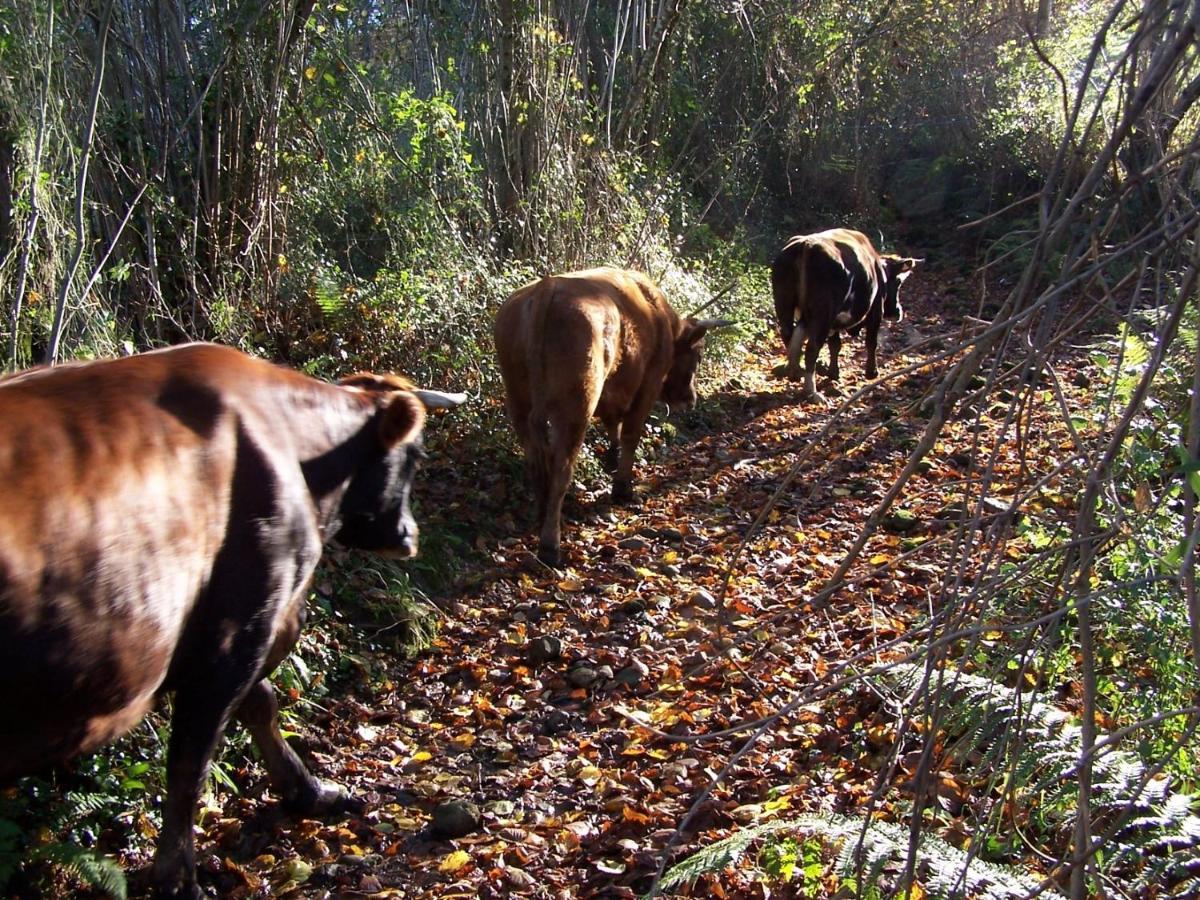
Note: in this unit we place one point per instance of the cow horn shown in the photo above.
(709, 324)
(439, 399)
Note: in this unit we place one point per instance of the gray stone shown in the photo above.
(455, 819)
(633, 673)
(901, 521)
(582, 676)
(544, 649)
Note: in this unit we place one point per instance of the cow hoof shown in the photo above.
(173, 888)
(816, 397)
(180, 892)
(551, 556)
(609, 461)
(795, 375)
(872, 374)
(622, 493)
(323, 798)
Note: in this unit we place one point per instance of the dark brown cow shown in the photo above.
(601, 343)
(828, 282)
(160, 518)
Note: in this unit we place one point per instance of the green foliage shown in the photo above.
(93, 870)
(865, 847)
(46, 836)
(1030, 117)
(1156, 837)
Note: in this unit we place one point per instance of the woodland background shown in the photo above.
(357, 185)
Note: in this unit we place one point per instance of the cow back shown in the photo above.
(597, 335)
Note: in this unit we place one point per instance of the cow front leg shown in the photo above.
(633, 426)
(872, 346)
(835, 348)
(795, 348)
(198, 721)
(612, 456)
(301, 792)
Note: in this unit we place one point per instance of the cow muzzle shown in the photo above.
(405, 549)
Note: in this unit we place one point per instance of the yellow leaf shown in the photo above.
(571, 584)
(310, 73)
(466, 739)
(589, 775)
(454, 861)
(880, 558)
(421, 756)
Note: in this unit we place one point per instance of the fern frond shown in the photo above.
(716, 857)
(948, 871)
(91, 868)
(1161, 838)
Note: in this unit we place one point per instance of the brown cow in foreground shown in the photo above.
(601, 343)
(160, 518)
(828, 282)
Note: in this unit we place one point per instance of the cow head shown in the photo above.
(895, 270)
(374, 511)
(679, 387)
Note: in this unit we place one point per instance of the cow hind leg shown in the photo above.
(795, 348)
(565, 444)
(811, 352)
(301, 792)
(537, 464)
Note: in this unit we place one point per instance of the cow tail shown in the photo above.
(539, 420)
(787, 287)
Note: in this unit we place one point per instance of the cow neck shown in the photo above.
(333, 443)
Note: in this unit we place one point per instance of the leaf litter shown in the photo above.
(589, 760)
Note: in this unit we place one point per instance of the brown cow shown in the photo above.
(601, 343)
(160, 519)
(828, 282)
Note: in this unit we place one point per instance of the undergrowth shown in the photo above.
(63, 829)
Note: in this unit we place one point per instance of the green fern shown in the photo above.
(92, 869)
(722, 854)
(946, 870)
(1159, 842)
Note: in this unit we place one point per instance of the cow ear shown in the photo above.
(401, 419)
(900, 267)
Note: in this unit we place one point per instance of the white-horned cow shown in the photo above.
(160, 519)
(603, 343)
(830, 282)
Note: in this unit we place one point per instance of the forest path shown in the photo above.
(528, 705)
